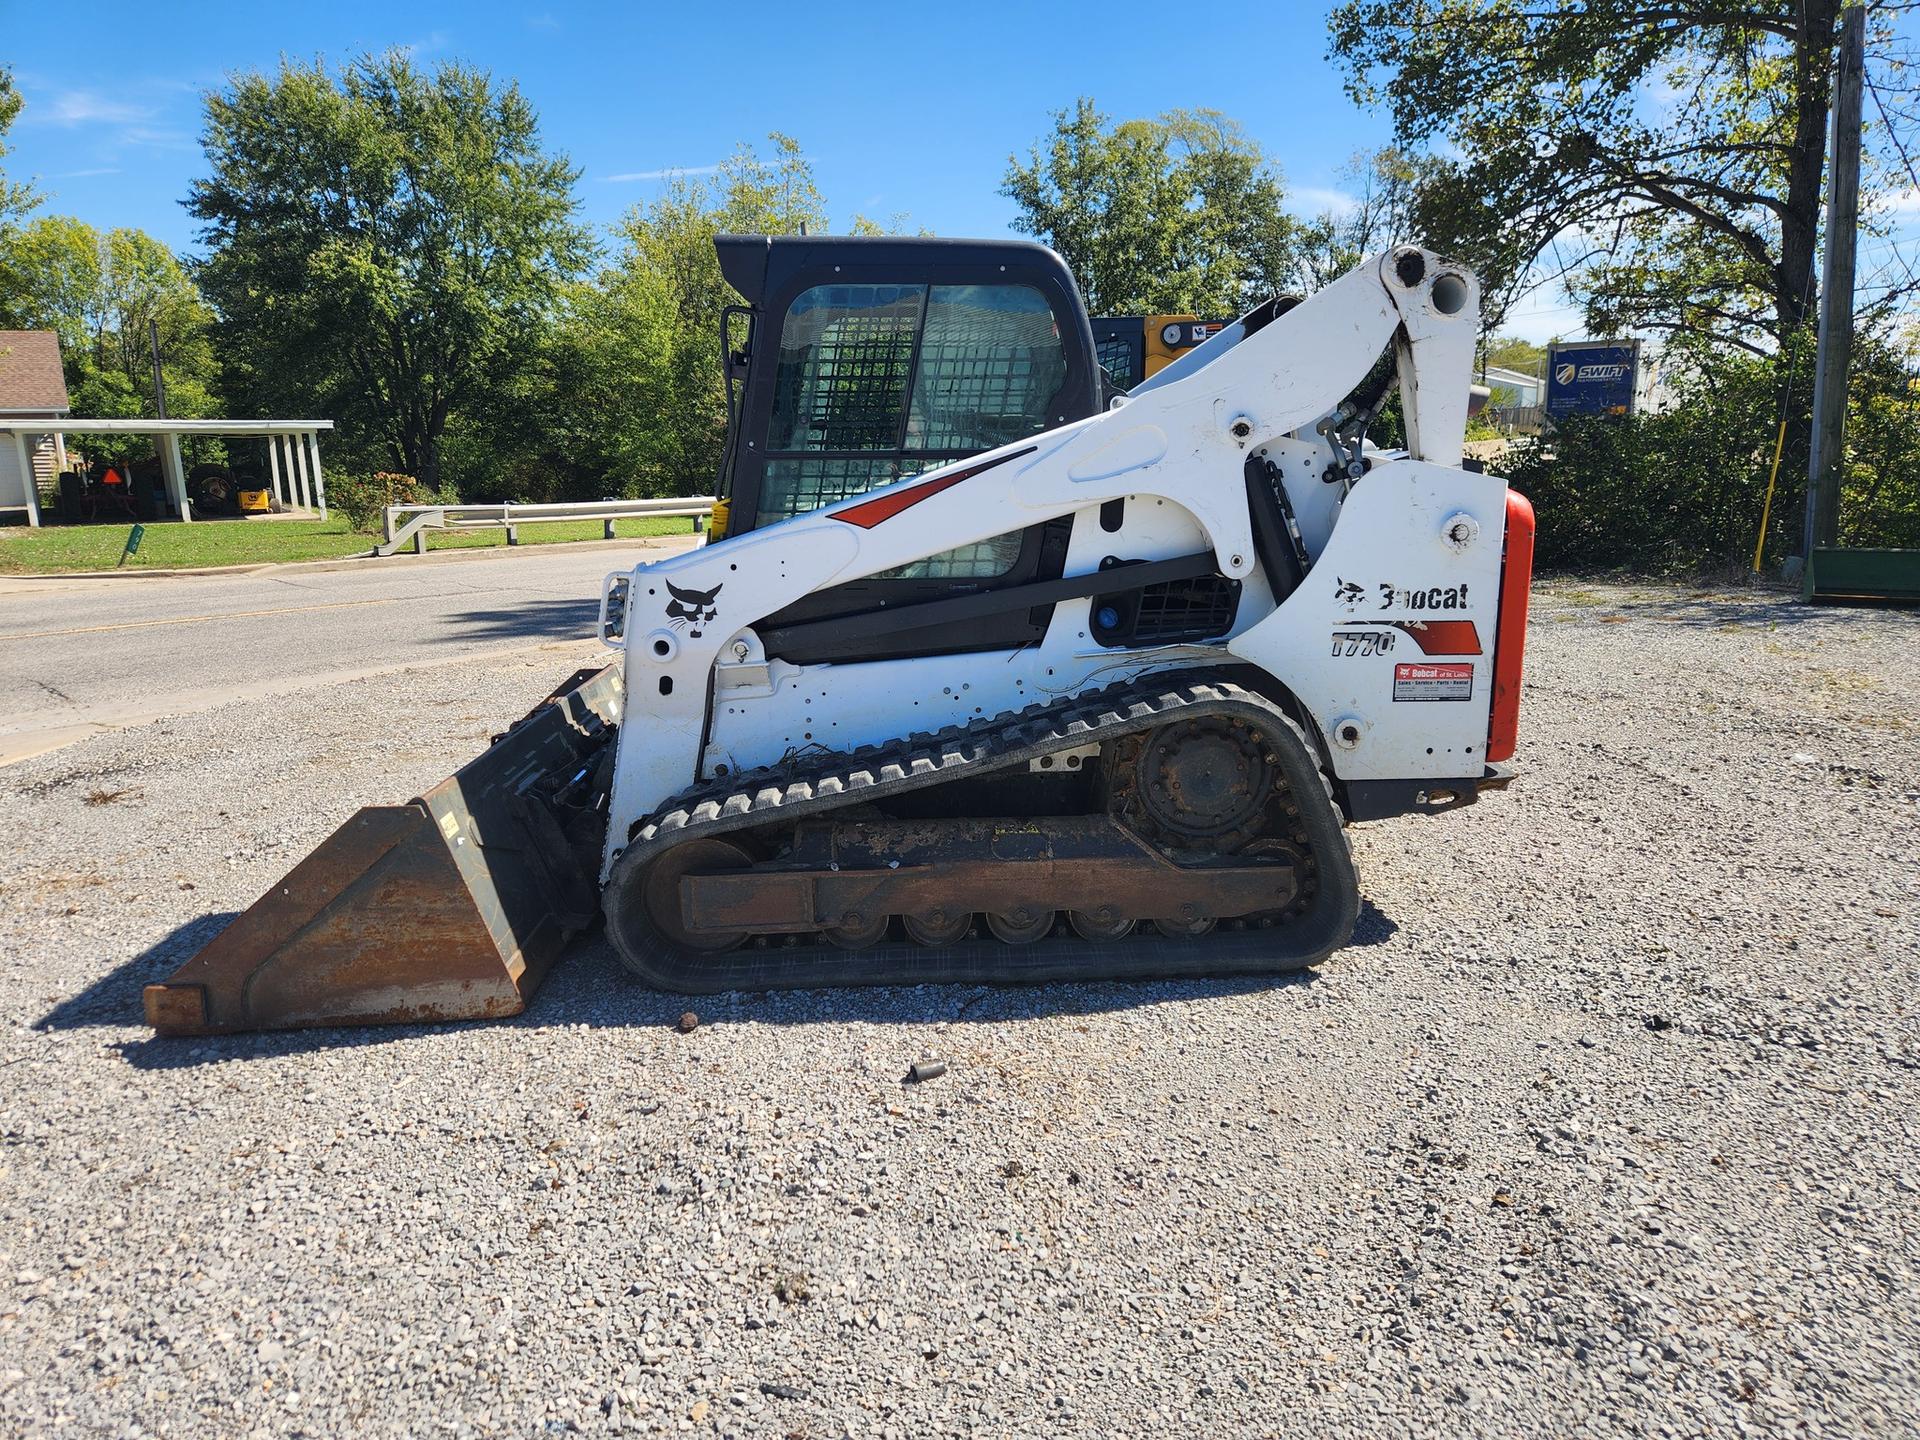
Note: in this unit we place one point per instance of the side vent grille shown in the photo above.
(1180, 611)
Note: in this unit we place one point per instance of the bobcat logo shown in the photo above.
(1349, 594)
(690, 609)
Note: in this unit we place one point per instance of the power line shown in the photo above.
(1900, 149)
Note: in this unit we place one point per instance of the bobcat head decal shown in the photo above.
(691, 609)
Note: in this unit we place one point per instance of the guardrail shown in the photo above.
(411, 522)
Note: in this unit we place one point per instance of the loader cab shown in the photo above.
(857, 361)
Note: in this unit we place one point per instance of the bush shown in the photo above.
(1676, 491)
(363, 499)
(1684, 489)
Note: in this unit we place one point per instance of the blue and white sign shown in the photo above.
(1596, 379)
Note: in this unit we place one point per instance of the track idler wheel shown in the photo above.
(1021, 927)
(662, 892)
(937, 927)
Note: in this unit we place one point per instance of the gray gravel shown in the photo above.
(1607, 1126)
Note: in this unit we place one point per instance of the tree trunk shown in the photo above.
(1794, 292)
(1796, 295)
(414, 441)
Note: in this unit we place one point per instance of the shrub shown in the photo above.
(363, 499)
(1683, 489)
(1652, 493)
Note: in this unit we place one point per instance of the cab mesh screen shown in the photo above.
(793, 487)
(846, 353)
(990, 363)
(1116, 358)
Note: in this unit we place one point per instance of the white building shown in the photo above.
(1512, 388)
(32, 387)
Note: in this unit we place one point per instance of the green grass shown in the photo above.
(172, 546)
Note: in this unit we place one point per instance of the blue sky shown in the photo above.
(902, 108)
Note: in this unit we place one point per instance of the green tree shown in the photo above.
(51, 279)
(385, 246)
(1181, 213)
(1665, 156)
(1681, 489)
(16, 198)
(1661, 159)
(1510, 352)
(1880, 483)
(104, 293)
(1377, 218)
(628, 397)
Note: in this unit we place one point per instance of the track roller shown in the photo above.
(1021, 927)
(856, 931)
(1185, 929)
(1101, 924)
(936, 927)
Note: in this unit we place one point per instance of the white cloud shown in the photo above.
(1541, 317)
(156, 137)
(1666, 95)
(436, 41)
(1311, 200)
(1904, 201)
(84, 107)
(83, 174)
(543, 21)
(628, 176)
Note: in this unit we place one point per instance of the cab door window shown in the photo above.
(875, 383)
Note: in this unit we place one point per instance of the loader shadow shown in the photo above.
(114, 999)
(571, 619)
(589, 987)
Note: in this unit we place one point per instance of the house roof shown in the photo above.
(30, 375)
(1500, 375)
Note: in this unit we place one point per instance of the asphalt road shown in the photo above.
(81, 656)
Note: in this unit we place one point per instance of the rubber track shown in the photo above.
(766, 796)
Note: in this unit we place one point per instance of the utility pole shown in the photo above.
(159, 380)
(1836, 293)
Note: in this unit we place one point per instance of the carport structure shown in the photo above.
(293, 453)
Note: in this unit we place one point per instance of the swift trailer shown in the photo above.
(988, 674)
(1592, 378)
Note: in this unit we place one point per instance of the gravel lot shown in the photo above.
(1606, 1126)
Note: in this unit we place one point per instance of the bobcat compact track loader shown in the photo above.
(990, 674)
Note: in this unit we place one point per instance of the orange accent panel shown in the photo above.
(1510, 639)
(869, 513)
(1442, 637)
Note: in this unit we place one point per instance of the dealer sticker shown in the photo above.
(1445, 681)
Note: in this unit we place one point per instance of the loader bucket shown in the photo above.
(451, 907)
